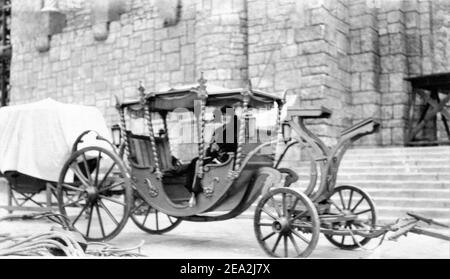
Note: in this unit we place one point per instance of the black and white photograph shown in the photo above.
(225, 130)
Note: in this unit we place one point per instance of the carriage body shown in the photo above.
(228, 187)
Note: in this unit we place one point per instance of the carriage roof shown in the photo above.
(184, 96)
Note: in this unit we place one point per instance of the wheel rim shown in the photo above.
(286, 224)
(94, 193)
(151, 220)
(351, 200)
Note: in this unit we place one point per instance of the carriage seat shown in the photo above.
(364, 127)
(141, 152)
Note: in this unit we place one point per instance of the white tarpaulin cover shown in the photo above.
(36, 139)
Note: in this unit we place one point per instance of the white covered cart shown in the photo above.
(39, 140)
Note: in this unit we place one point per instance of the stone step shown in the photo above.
(392, 211)
(388, 184)
(392, 162)
(426, 177)
(413, 202)
(407, 193)
(437, 156)
(385, 170)
(383, 220)
(400, 150)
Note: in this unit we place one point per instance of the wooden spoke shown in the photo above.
(86, 168)
(111, 200)
(137, 207)
(146, 215)
(97, 167)
(268, 213)
(90, 220)
(102, 205)
(357, 204)
(268, 236)
(111, 187)
(277, 209)
(352, 237)
(364, 211)
(276, 243)
(67, 186)
(286, 254)
(284, 205)
(76, 170)
(300, 236)
(157, 220)
(265, 224)
(350, 199)
(100, 220)
(79, 214)
(295, 244)
(295, 204)
(106, 175)
(342, 199)
(299, 215)
(73, 202)
(170, 219)
(337, 207)
(343, 240)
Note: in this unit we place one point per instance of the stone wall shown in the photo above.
(348, 55)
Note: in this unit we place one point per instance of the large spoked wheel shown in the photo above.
(94, 193)
(151, 220)
(351, 201)
(287, 216)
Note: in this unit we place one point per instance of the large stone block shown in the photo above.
(310, 33)
(362, 62)
(172, 45)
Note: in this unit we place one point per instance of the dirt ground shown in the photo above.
(235, 239)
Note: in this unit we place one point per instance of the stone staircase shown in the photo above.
(398, 179)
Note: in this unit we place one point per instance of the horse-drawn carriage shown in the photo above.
(145, 178)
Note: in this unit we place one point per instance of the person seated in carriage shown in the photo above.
(224, 141)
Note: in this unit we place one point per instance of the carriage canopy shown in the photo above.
(184, 96)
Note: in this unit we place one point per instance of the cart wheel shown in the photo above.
(289, 216)
(94, 193)
(351, 200)
(151, 220)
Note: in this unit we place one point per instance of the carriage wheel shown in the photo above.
(286, 216)
(94, 193)
(351, 200)
(151, 220)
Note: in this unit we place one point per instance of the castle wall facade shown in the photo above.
(349, 55)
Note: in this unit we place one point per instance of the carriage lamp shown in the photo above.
(286, 130)
(116, 135)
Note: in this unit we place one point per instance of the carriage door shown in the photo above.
(5, 50)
